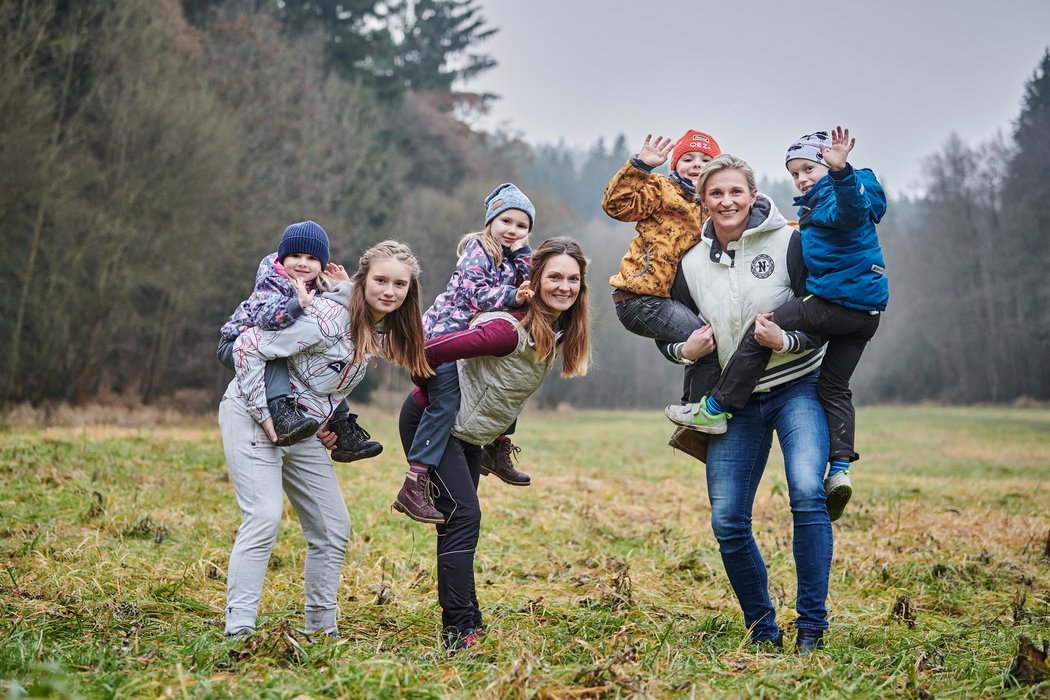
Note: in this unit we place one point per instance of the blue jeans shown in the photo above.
(659, 318)
(735, 462)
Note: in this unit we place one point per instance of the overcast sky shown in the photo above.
(901, 74)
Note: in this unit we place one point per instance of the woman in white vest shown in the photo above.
(504, 358)
(749, 261)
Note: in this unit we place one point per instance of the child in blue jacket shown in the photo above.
(838, 209)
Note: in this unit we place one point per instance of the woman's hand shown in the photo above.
(327, 437)
(337, 272)
(768, 334)
(306, 296)
(267, 426)
(524, 293)
(655, 153)
(841, 145)
(700, 343)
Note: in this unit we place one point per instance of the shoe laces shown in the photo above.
(505, 448)
(427, 488)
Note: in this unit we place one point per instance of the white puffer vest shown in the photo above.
(493, 390)
(730, 291)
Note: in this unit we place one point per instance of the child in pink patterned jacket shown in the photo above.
(303, 254)
(491, 275)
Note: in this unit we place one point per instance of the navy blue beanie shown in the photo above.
(304, 237)
(508, 196)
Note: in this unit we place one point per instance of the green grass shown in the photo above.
(601, 580)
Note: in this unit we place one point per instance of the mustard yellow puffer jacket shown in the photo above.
(669, 224)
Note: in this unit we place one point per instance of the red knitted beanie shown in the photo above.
(694, 141)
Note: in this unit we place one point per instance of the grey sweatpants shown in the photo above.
(261, 474)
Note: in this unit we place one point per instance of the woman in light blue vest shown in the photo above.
(504, 358)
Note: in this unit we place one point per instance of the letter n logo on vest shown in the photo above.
(762, 266)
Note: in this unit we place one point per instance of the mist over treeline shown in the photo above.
(152, 152)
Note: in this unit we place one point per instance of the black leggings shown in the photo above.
(456, 477)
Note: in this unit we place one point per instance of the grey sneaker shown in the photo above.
(837, 491)
(695, 417)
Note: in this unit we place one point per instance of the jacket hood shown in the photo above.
(764, 216)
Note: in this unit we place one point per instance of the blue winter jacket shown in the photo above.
(837, 219)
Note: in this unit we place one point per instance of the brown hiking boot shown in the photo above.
(416, 500)
(691, 442)
(495, 460)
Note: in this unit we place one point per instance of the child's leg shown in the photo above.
(496, 459)
(289, 421)
(352, 441)
(735, 384)
(343, 411)
(435, 426)
(741, 374)
(428, 443)
(841, 357)
(278, 384)
(657, 317)
(701, 377)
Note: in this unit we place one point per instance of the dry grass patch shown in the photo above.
(600, 580)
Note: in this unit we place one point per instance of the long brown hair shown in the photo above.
(575, 322)
(402, 339)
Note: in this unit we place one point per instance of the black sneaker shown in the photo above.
(289, 422)
(456, 641)
(352, 442)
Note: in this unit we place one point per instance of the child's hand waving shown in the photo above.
(306, 296)
(337, 272)
(655, 153)
(841, 145)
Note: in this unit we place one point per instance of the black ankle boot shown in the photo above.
(809, 640)
(352, 441)
(775, 644)
(289, 422)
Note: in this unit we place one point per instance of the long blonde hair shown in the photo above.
(488, 242)
(575, 322)
(402, 338)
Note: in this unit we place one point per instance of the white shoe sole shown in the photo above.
(673, 414)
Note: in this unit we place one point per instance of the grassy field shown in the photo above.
(601, 580)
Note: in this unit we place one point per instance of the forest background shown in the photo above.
(152, 151)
